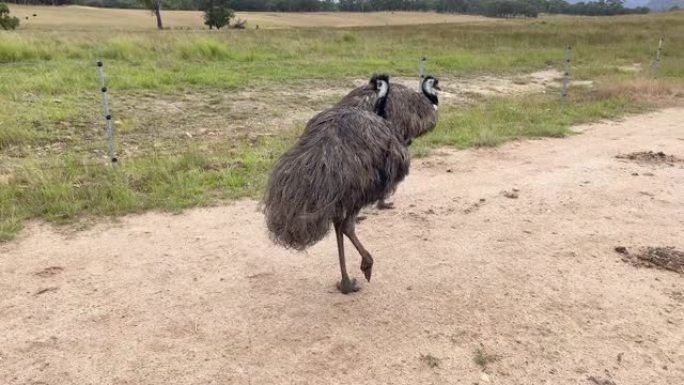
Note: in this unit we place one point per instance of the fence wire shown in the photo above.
(143, 150)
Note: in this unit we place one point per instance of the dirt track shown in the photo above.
(204, 298)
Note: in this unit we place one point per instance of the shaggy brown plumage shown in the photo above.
(346, 158)
(411, 113)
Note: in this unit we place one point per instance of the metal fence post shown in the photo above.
(566, 75)
(421, 71)
(108, 117)
(656, 63)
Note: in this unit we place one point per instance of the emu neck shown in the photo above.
(431, 97)
(380, 107)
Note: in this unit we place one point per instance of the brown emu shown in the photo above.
(410, 113)
(347, 158)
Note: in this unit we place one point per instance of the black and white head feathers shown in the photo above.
(380, 84)
(430, 86)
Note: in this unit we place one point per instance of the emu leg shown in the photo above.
(346, 285)
(384, 205)
(366, 258)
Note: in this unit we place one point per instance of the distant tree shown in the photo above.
(495, 8)
(557, 6)
(508, 8)
(155, 7)
(216, 13)
(639, 10)
(460, 6)
(6, 21)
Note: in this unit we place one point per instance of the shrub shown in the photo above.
(7, 22)
(217, 14)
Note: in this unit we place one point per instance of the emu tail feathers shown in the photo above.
(295, 216)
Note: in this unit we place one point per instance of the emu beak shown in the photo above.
(436, 87)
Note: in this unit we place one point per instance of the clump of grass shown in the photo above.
(430, 360)
(348, 38)
(14, 48)
(482, 358)
(209, 49)
(125, 47)
(13, 136)
(654, 92)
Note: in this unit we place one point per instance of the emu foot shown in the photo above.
(367, 269)
(347, 286)
(384, 205)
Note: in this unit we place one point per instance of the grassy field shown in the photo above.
(73, 18)
(201, 115)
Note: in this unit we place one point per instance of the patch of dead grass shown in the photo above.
(654, 92)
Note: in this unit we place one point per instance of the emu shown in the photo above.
(410, 113)
(346, 158)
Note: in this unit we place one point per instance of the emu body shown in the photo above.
(347, 158)
(411, 114)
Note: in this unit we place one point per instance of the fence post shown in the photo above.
(566, 75)
(656, 63)
(108, 117)
(421, 72)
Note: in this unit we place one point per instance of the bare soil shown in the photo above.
(204, 298)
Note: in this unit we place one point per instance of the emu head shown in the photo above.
(430, 86)
(380, 84)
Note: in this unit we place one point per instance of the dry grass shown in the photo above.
(654, 92)
(482, 358)
(87, 18)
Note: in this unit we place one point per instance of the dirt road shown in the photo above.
(533, 283)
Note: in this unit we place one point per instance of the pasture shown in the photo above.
(493, 289)
(200, 115)
(87, 18)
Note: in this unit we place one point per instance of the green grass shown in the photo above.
(64, 189)
(482, 358)
(37, 67)
(51, 140)
(500, 119)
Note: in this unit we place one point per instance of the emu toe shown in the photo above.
(347, 286)
(367, 270)
(383, 205)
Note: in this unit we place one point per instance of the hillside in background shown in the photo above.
(626, 3)
(490, 8)
(655, 5)
(664, 5)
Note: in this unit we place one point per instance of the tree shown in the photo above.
(6, 21)
(509, 8)
(155, 7)
(216, 13)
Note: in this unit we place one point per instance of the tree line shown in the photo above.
(491, 8)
